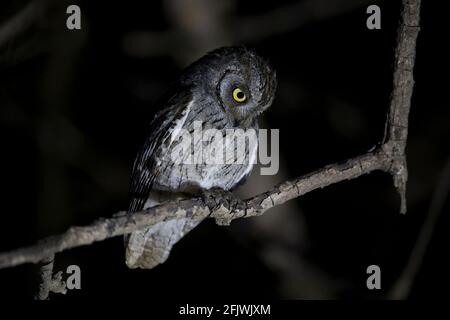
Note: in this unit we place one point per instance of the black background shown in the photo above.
(74, 106)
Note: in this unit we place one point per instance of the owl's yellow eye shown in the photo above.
(239, 95)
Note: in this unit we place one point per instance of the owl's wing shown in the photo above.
(145, 168)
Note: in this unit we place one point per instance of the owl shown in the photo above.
(227, 88)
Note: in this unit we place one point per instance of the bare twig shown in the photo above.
(389, 157)
(403, 285)
(49, 283)
(397, 121)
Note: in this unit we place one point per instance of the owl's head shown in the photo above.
(240, 81)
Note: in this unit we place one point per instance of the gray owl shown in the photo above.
(226, 89)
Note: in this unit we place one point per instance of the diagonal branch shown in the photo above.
(390, 157)
(123, 223)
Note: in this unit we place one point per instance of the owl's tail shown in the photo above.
(151, 246)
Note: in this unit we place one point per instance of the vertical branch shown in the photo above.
(394, 142)
(403, 285)
(49, 283)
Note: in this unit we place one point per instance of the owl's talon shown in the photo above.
(217, 197)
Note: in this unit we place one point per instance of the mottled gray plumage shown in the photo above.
(204, 93)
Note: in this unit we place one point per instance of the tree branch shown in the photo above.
(396, 131)
(389, 157)
(402, 287)
(49, 283)
(122, 223)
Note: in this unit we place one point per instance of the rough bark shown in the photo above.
(122, 223)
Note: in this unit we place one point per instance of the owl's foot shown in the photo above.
(219, 199)
(215, 198)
